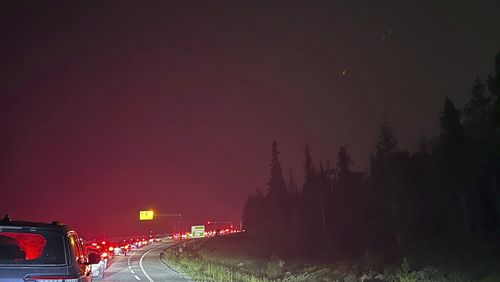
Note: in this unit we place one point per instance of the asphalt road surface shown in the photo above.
(142, 265)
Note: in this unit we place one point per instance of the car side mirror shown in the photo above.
(94, 258)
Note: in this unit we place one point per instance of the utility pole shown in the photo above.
(175, 215)
(149, 215)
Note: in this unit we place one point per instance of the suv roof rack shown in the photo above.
(6, 218)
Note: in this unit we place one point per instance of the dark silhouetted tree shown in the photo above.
(451, 158)
(344, 162)
(388, 179)
(347, 202)
(255, 219)
(494, 120)
(311, 206)
(277, 201)
(292, 186)
(276, 183)
(476, 111)
(387, 142)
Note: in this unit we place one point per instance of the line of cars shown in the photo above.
(107, 249)
(105, 253)
(52, 252)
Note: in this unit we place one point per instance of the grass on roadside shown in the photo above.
(228, 259)
(198, 268)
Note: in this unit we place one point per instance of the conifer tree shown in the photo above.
(276, 183)
(387, 143)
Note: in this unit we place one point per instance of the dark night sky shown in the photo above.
(107, 108)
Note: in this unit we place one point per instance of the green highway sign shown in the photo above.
(197, 231)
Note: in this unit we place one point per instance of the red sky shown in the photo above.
(109, 108)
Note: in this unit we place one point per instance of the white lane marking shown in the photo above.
(132, 271)
(137, 277)
(142, 267)
(130, 267)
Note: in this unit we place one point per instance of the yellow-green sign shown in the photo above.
(197, 231)
(146, 215)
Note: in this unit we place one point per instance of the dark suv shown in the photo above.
(34, 251)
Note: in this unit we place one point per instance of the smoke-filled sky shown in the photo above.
(110, 107)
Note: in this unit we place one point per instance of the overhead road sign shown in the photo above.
(146, 215)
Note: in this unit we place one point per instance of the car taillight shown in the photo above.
(110, 249)
(104, 255)
(52, 278)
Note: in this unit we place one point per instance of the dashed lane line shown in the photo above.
(130, 266)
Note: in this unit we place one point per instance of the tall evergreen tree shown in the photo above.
(387, 178)
(387, 142)
(254, 217)
(423, 145)
(344, 161)
(291, 184)
(308, 167)
(494, 120)
(494, 80)
(276, 183)
(476, 111)
(312, 205)
(451, 136)
(277, 202)
(249, 214)
(489, 188)
(451, 155)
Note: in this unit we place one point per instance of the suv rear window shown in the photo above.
(22, 247)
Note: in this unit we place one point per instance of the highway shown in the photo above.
(142, 265)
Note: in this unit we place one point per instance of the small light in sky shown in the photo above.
(344, 72)
(387, 35)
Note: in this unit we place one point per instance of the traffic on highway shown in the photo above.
(53, 252)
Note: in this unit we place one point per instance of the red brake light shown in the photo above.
(104, 255)
(110, 248)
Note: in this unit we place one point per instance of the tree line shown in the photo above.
(447, 191)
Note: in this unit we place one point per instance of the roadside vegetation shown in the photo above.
(227, 258)
(202, 265)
